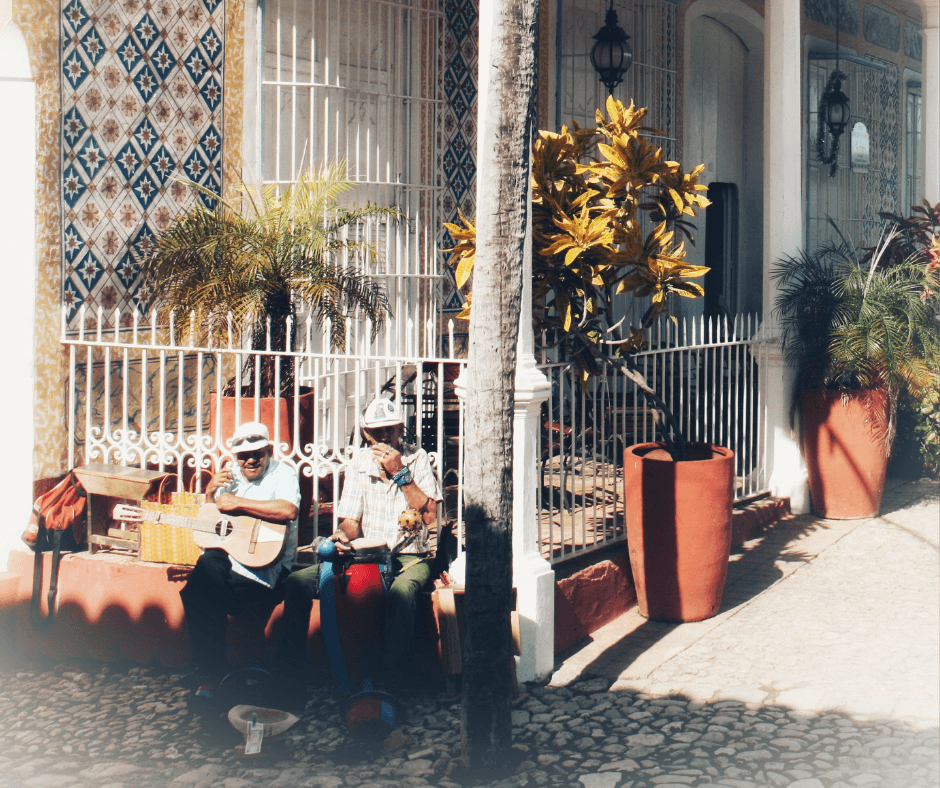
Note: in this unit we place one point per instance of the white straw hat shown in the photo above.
(381, 412)
(250, 436)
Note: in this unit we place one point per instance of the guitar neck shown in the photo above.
(193, 523)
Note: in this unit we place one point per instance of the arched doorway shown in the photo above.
(724, 129)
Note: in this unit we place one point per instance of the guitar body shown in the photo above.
(253, 543)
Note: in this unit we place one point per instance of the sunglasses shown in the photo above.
(379, 433)
(257, 454)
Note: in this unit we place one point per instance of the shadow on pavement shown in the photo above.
(94, 724)
(754, 566)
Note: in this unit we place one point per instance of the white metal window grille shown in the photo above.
(357, 81)
(854, 197)
(913, 145)
(651, 81)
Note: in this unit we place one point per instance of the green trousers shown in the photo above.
(411, 575)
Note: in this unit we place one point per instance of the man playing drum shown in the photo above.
(384, 479)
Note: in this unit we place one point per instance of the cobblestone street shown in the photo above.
(821, 671)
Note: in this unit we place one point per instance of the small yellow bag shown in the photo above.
(170, 544)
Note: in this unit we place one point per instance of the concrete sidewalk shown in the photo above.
(818, 615)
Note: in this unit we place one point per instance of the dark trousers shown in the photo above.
(301, 588)
(213, 593)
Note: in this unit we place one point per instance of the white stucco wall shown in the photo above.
(18, 295)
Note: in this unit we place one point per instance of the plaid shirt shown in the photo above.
(376, 502)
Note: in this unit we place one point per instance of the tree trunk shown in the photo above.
(494, 327)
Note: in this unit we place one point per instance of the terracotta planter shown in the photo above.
(678, 528)
(843, 440)
(268, 408)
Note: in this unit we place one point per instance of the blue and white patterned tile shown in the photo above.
(826, 12)
(141, 87)
(882, 27)
(457, 160)
(913, 42)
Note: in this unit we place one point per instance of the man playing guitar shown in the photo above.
(219, 586)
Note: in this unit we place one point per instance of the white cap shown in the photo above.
(250, 436)
(381, 412)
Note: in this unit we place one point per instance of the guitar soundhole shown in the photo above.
(223, 528)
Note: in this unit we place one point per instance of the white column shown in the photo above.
(783, 232)
(18, 294)
(532, 575)
(931, 91)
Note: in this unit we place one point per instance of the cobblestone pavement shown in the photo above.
(821, 671)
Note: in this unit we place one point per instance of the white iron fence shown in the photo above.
(143, 395)
(707, 373)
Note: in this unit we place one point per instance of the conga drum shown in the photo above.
(360, 607)
(352, 601)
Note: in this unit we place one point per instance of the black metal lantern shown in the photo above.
(611, 56)
(837, 112)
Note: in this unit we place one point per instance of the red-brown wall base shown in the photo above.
(113, 607)
(597, 594)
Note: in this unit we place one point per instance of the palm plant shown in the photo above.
(854, 322)
(291, 246)
(591, 189)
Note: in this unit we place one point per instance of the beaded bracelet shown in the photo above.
(403, 477)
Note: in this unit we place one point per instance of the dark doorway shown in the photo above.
(721, 249)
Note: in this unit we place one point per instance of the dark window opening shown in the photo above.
(721, 249)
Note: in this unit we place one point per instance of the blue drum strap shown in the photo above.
(329, 624)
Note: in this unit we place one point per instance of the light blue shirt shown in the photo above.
(279, 482)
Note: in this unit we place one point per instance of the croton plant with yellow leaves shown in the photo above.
(590, 189)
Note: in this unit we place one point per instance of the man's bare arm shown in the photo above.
(276, 511)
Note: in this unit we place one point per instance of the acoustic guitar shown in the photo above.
(253, 543)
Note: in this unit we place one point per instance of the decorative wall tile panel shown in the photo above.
(882, 27)
(913, 43)
(827, 12)
(460, 55)
(855, 197)
(141, 90)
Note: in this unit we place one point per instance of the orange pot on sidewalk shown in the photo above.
(844, 444)
(678, 528)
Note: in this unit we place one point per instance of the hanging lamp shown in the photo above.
(833, 111)
(611, 56)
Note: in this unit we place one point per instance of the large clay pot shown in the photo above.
(678, 528)
(844, 444)
(268, 407)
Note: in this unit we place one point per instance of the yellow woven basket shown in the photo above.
(170, 544)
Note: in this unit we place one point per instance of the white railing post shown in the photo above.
(533, 576)
(782, 460)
